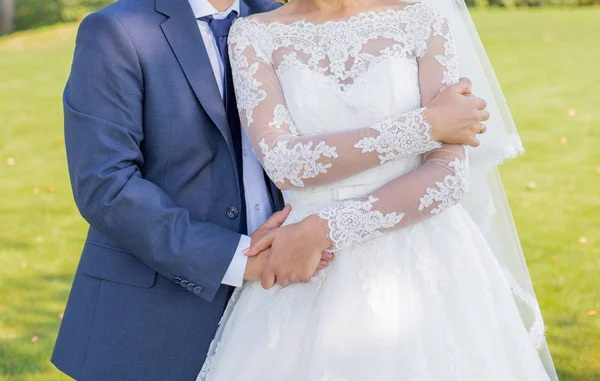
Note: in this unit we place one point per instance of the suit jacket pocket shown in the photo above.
(102, 261)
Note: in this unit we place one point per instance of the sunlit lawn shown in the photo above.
(548, 63)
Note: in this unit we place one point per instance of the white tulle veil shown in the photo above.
(487, 202)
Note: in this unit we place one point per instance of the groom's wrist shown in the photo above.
(237, 268)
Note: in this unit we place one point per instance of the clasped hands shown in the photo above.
(293, 253)
(287, 254)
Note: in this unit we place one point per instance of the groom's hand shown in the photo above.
(260, 248)
(455, 115)
(261, 239)
(256, 265)
(296, 253)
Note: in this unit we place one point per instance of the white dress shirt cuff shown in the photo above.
(235, 273)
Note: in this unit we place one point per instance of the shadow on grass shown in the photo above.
(578, 376)
(8, 243)
(570, 353)
(35, 304)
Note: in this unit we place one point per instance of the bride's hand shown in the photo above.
(296, 253)
(455, 115)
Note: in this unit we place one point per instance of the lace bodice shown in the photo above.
(338, 105)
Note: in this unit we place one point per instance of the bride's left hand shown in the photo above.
(296, 253)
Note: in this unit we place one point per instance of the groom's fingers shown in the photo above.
(283, 282)
(268, 278)
(263, 242)
(277, 218)
(327, 256)
(265, 234)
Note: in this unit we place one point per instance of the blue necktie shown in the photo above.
(220, 30)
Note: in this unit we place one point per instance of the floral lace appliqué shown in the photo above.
(282, 117)
(294, 164)
(400, 137)
(451, 190)
(355, 221)
(430, 267)
(337, 48)
(280, 313)
(537, 330)
(343, 52)
(248, 91)
(448, 61)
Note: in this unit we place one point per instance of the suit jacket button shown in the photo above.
(232, 212)
(184, 283)
(177, 279)
(197, 290)
(190, 287)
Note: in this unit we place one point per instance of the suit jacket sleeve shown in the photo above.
(103, 105)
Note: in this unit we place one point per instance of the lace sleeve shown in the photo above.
(292, 160)
(439, 183)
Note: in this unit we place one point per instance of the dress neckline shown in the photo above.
(360, 16)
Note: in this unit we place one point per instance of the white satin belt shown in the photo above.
(346, 193)
(307, 196)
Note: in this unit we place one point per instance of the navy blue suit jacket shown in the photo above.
(153, 172)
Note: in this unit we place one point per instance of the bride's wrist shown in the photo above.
(431, 116)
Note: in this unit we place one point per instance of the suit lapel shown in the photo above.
(182, 33)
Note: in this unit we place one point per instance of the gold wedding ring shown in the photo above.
(483, 128)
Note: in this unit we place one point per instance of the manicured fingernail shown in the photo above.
(246, 251)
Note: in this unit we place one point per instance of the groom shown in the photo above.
(169, 186)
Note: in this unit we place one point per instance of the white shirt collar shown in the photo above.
(203, 8)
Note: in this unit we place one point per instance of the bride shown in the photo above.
(428, 281)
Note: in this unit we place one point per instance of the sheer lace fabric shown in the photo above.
(341, 53)
(415, 292)
(438, 184)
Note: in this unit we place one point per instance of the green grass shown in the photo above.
(547, 62)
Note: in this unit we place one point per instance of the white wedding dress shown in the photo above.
(415, 292)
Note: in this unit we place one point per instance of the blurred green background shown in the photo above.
(26, 14)
(548, 62)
